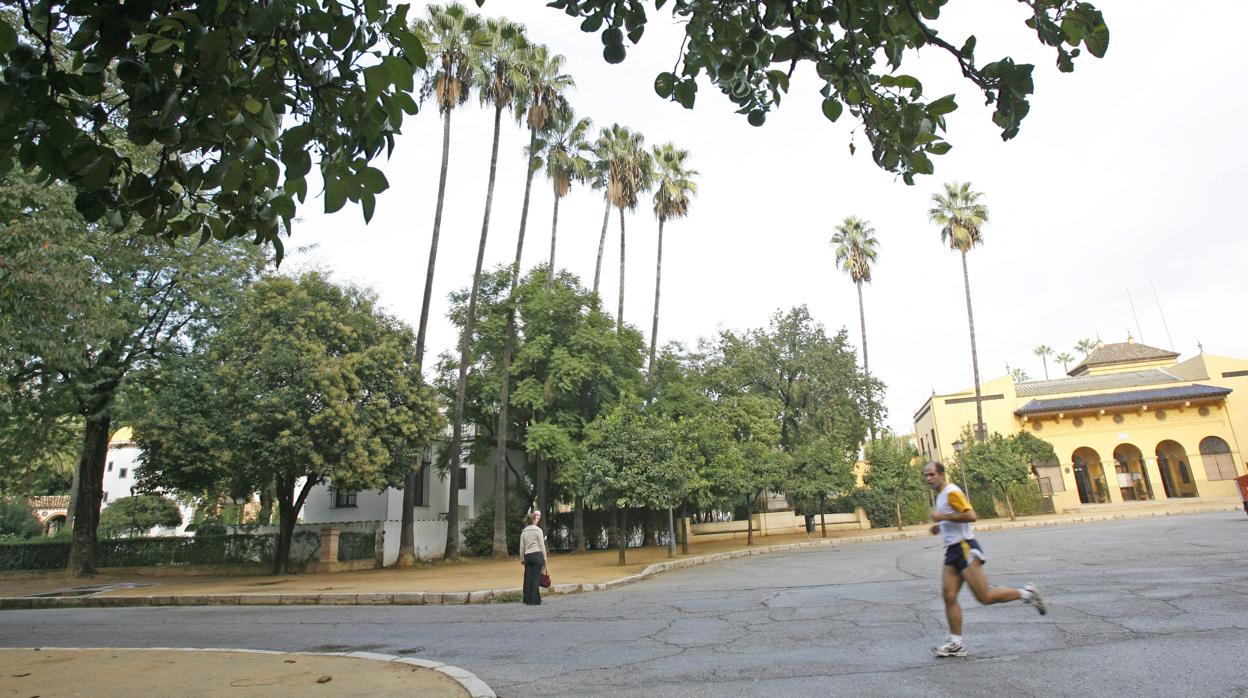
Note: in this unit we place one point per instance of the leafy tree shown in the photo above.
(627, 171)
(856, 250)
(961, 218)
(821, 472)
(634, 458)
(1002, 462)
(501, 79)
(1064, 359)
(38, 455)
(1044, 351)
(1019, 375)
(235, 98)
(137, 514)
(673, 187)
(331, 390)
(892, 470)
(564, 157)
(455, 39)
(543, 101)
(83, 311)
(17, 521)
(1087, 346)
(750, 50)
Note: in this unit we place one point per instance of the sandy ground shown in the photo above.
(101, 673)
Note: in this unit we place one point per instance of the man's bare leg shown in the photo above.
(984, 593)
(951, 584)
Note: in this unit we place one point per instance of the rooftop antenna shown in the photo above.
(1162, 313)
(1138, 331)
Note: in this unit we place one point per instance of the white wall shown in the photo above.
(120, 475)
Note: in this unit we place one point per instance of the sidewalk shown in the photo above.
(49, 672)
(476, 580)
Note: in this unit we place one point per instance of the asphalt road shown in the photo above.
(1141, 608)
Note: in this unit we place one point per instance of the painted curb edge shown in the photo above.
(466, 679)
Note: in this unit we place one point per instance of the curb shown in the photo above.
(418, 598)
(466, 679)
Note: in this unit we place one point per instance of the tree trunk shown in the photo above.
(684, 531)
(266, 505)
(823, 517)
(499, 549)
(288, 512)
(866, 366)
(970, 319)
(897, 505)
(554, 229)
(658, 282)
(623, 532)
(602, 243)
(578, 524)
(407, 549)
(749, 522)
(89, 491)
(465, 349)
(619, 320)
(1009, 505)
(539, 473)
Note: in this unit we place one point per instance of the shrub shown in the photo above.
(479, 532)
(881, 508)
(137, 514)
(17, 521)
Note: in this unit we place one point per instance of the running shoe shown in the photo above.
(950, 649)
(1036, 599)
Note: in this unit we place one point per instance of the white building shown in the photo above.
(120, 479)
(326, 505)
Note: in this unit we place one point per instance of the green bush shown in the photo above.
(151, 552)
(137, 514)
(479, 532)
(881, 509)
(356, 546)
(34, 555)
(17, 521)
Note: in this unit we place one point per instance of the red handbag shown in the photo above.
(545, 581)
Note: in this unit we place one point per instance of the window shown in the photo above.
(422, 490)
(344, 500)
(110, 466)
(1216, 455)
(463, 478)
(121, 472)
(105, 497)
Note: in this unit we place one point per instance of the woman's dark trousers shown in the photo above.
(533, 564)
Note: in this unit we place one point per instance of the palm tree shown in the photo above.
(1064, 359)
(961, 219)
(1087, 346)
(501, 77)
(856, 250)
(544, 98)
(564, 157)
(1044, 351)
(452, 37)
(629, 172)
(674, 186)
(1019, 375)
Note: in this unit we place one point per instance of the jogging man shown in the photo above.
(964, 559)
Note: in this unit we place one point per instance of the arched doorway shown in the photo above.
(1132, 478)
(1090, 476)
(54, 524)
(1176, 473)
(1215, 455)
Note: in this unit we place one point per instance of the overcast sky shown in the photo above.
(1123, 178)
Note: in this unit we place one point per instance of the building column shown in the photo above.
(329, 544)
(1154, 478)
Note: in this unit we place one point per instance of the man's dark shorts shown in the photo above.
(960, 554)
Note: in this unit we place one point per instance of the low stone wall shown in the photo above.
(775, 523)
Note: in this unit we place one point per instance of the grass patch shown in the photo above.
(508, 597)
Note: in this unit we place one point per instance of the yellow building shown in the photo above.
(1129, 423)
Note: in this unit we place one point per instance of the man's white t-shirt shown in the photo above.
(952, 500)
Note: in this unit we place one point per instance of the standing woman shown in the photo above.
(533, 550)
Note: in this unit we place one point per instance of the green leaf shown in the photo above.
(664, 84)
(161, 45)
(335, 194)
(368, 203)
(944, 105)
(832, 109)
(376, 80)
(939, 148)
(686, 91)
(412, 48)
(373, 180)
(8, 37)
(400, 72)
(253, 105)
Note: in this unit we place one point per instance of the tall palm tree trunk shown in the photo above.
(499, 548)
(866, 365)
(465, 346)
(602, 243)
(554, 230)
(619, 319)
(658, 282)
(407, 540)
(970, 319)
